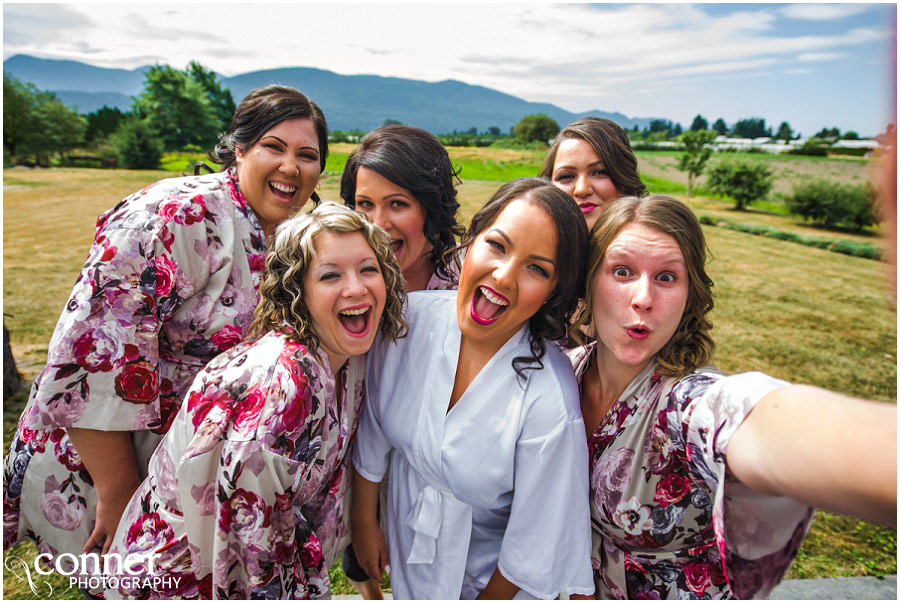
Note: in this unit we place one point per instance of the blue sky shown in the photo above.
(812, 65)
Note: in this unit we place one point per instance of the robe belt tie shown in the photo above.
(425, 520)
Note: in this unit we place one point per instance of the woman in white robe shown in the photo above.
(477, 416)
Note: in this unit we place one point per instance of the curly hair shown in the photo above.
(610, 142)
(282, 306)
(415, 160)
(691, 347)
(550, 322)
(261, 110)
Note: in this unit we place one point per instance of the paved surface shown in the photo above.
(826, 589)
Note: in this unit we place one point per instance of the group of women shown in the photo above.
(236, 387)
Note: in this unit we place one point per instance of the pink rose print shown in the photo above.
(228, 337)
(244, 514)
(205, 497)
(99, 349)
(247, 414)
(311, 553)
(672, 489)
(165, 275)
(168, 209)
(65, 454)
(66, 409)
(696, 576)
(148, 533)
(193, 212)
(138, 383)
(60, 512)
(257, 262)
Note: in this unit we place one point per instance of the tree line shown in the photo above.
(176, 110)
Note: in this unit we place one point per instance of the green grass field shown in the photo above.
(798, 313)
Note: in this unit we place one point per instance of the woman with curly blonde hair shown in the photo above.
(245, 494)
(702, 484)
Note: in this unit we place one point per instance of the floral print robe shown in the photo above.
(245, 494)
(668, 520)
(170, 282)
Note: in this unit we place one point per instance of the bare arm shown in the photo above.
(368, 540)
(822, 448)
(109, 458)
(498, 587)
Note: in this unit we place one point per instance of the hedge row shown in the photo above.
(854, 248)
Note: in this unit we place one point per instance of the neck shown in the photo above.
(419, 273)
(613, 376)
(335, 362)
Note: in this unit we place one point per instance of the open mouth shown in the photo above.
(396, 246)
(487, 305)
(638, 332)
(356, 320)
(282, 191)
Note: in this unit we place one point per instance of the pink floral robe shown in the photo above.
(668, 520)
(170, 282)
(245, 494)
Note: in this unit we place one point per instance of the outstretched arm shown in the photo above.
(822, 448)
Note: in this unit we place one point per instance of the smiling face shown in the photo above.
(393, 208)
(579, 171)
(509, 271)
(639, 295)
(345, 293)
(280, 171)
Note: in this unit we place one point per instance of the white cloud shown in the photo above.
(798, 71)
(820, 56)
(823, 12)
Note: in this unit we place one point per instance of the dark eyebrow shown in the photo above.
(286, 144)
(571, 167)
(533, 255)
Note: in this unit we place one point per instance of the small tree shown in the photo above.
(699, 123)
(696, 154)
(102, 122)
(785, 132)
(743, 181)
(137, 144)
(832, 203)
(720, 127)
(536, 128)
(754, 127)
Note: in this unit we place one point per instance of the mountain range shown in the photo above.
(350, 102)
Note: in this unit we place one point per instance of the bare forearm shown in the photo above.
(365, 500)
(498, 587)
(109, 458)
(822, 448)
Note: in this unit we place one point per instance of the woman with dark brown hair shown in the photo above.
(702, 484)
(592, 160)
(402, 179)
(170, 282)
(476, 416)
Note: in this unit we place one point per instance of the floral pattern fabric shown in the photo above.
(245, 494)
(170, 282)
(668, 520)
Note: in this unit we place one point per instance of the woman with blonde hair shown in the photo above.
(702, 484)
(245, 494)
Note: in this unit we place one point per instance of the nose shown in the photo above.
(380, 218)
(355, 286)
(641, 294)
(504, 274)
(289, 167)
(582, 187)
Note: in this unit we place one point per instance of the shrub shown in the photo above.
(833, 203)
(743, 181)
(815, 147)
(138, 146)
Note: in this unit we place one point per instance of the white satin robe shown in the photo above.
(502, 478)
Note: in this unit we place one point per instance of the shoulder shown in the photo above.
(427, 305)
(174, 202)
(553, 390)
